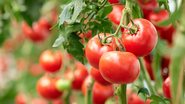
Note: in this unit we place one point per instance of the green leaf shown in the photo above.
(136, 11)
(143, 91)
(58, 41)
(105, 11)
(74, 46)
(71, 12)
(159, 100)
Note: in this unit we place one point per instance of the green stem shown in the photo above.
(67, 97)
(146, 77)
(122, 94)
(88, 99)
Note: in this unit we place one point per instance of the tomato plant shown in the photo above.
(92, 51)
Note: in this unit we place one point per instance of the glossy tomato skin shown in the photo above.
(100, 93)
(46, 87)
(80, 74)
(95, 73)
(113, 1)
(147, 6)
(165, 32)
(51, 61)
(115, 15)
(143, 41)
(166, 88)
(119, 67)
(94, 50)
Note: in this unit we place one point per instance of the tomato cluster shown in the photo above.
(46, 86)
(39, 30)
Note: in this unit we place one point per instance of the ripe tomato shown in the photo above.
(46, 87)
(133, 98)
(147, 6)
(79, 75)
(87, 35)
(113, 1)
(94, 50)
(39, 31)
(51, 61)
(98, 77)
(166, 32)
(44, 24)
(31, 34)
(115, 15)
(166, 88)
(119, 67)
(100, 93)
(143, 41)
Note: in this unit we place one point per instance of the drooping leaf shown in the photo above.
(159, 100)
(74, 47)
(143, 91)
(58, 41)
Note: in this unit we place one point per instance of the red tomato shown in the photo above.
(115, 15)
(119, 67)
(51, 61)
(94, 50)
(113, 1)
(165, 67)
(166, 88)
(133, 98)
(148, 65)
(20, 99)
(46, 87)
(100, 93)
(40, 32)
(98, 77)
(143, 41)
(44, 24)
(166, 32)
(87, 35)
(31, 34)
(147, 6)
(80, 74)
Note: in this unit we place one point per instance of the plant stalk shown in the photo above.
(146, 77)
